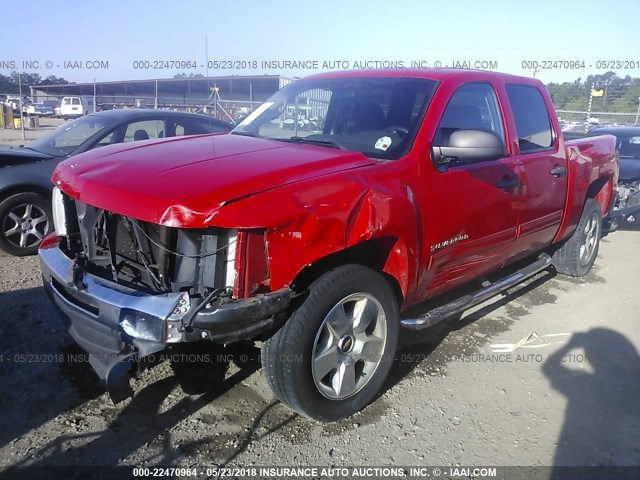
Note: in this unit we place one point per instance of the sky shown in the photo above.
(125, 40)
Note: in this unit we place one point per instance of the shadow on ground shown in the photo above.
(42, 374)
(601, 423)
(149, 419)
(145, 420)
(418, 348)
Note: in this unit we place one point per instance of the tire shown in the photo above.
(318, 389)
(577, 254)
(25, 219)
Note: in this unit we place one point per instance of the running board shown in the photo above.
(442, 312)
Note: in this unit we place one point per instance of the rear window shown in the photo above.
(533, 125)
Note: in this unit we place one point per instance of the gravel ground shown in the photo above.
(450, 399)
(10, 136)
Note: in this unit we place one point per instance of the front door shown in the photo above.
(477, 203)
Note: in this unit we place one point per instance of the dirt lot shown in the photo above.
(568, 398)
(10, 136)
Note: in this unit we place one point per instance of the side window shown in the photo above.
(194, 127)
(144, 130)
(473, 106)
(533, 125)
(190, 126)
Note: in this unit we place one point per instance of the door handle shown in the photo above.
(558, 171)
(508, 183)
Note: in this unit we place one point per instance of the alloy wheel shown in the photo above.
(25, 225)
(349, 345)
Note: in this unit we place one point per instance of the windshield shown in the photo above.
(376, 116)
(68, 137)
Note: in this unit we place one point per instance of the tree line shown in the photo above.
(619, 95)
(10, 83)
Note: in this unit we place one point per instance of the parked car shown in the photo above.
(314, 243)
(25, 172)
(52, 104)
(72, 107)
(40, 109)
(627, 207)
(18, 103)
(577, 127)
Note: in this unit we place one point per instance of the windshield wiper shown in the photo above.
(314, 141)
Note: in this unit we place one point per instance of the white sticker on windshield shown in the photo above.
(251, 117)
(383, 143)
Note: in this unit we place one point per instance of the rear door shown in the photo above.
(477, 203)
(87, 103)
(76, 106)
(544, 166)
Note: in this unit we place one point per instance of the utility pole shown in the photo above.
(21, 105)
(586, 125)
(638, 112)
(206, 54)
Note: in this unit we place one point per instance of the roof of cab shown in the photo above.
(436, 74)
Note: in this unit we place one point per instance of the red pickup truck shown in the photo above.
(337, 204)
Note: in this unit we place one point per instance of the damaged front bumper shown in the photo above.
(117, 325)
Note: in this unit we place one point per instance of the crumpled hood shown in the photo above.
(10, 156)
(184, 182)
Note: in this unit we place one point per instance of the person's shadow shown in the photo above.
(602, 419)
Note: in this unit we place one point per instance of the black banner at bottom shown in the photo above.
(321, 473)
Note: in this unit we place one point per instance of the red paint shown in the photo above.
(49, 241)
(253, 265)
(313, 201)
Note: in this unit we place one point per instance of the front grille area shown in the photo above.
(144, 256)
(137, 250)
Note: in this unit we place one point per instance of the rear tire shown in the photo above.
(577, 254)
(331, 358)
(25, 219)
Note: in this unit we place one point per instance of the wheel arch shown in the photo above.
(601, 190)
(25, 188)
(380, 254)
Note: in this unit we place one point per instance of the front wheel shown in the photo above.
(332, 356)
(577, 254)
(24, 222)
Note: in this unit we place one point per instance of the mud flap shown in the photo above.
(114, 373)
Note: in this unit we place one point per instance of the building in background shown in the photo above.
(227, 98)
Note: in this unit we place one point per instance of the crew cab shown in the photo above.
(314, 240)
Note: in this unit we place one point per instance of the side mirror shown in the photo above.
(468, 146)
